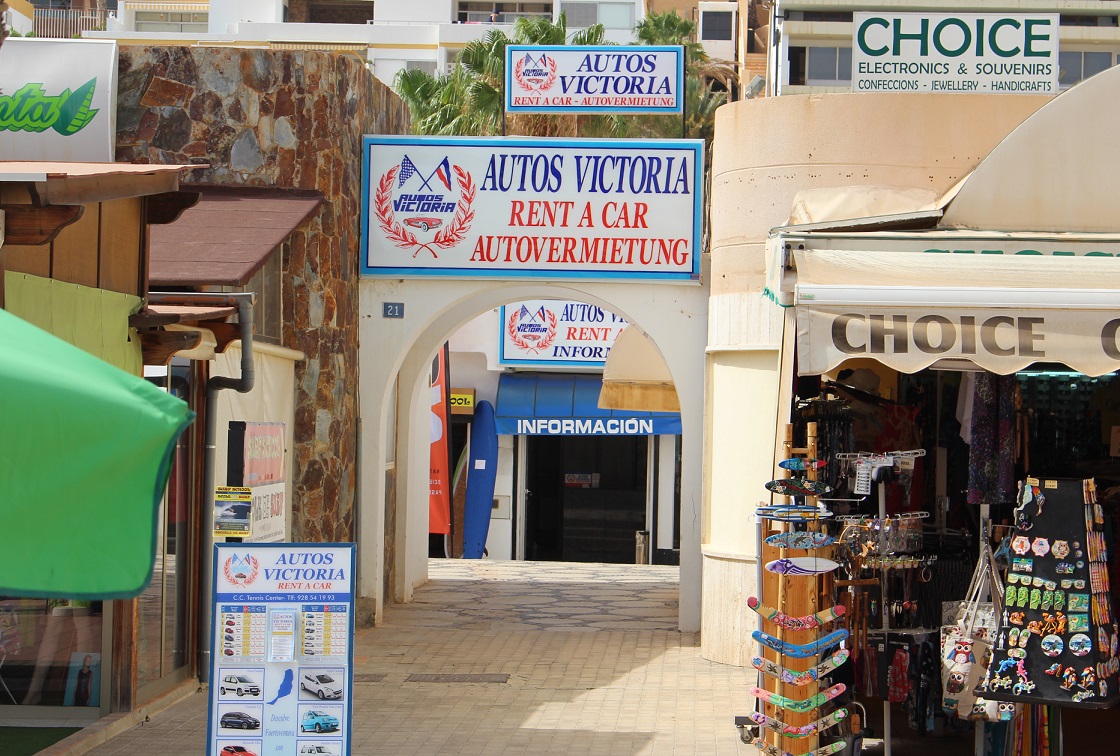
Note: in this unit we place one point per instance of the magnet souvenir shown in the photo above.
(1020, 545)
(1021, 597)
(1022, 564)
(1064, 568)
(1040, 546)
(1079, 623)
(1079, 602)
(1016, 618)
(1053, 646)
(1060, 549)
(1080, 644)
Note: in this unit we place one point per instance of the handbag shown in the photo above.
(966, 645)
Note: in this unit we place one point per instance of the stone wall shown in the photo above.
(288, 119)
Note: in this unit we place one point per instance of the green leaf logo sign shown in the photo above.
(31, 109)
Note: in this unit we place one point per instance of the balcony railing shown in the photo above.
(59, 23)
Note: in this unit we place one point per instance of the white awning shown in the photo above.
(1000, 312)
(636, 377)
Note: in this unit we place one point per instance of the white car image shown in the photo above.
(241, 685)
(321, 684)
(318, 750)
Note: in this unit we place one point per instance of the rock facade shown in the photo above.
(288, 119)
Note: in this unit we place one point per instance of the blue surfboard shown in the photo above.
(482, 470)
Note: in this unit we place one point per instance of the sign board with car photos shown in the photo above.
(281, 677)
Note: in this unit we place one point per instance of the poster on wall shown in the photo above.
(256, 461)
(439, 471)
(597, 209)
(557, 332)
(282, 659)
(58, 100)
(988, 53)
(594, 79)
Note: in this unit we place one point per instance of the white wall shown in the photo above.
(427, 11)
(226, 12)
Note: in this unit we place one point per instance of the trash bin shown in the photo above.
(641, 547)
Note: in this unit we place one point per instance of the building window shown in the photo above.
(828, 66)
(179, 23)
(610, 15)
(716, 26)
(1075, 66)
(427, 66)
(479, 12)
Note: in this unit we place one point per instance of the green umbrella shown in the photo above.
(85, 452)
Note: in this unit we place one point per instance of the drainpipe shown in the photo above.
(244, 302)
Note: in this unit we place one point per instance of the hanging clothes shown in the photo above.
(991, 458)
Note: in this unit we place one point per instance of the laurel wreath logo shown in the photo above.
(405, 239)
(238, 581)
(528, 346)
(528, 84)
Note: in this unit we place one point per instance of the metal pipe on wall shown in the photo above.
(244, 302)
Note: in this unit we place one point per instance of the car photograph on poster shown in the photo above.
(239, 684)
(236, 750)
(318, 721)
(321, 683)
(239, 720)
(319, 749)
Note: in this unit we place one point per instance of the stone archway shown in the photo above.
(394, 358)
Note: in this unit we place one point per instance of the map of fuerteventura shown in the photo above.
(30, 108)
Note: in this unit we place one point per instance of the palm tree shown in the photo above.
(469, 101)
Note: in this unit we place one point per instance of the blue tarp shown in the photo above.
(545, 404)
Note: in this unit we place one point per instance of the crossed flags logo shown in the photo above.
(409, 169)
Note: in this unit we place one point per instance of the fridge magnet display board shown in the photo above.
(1058, 637)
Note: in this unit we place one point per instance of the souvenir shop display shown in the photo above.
(798, 641)
(966, 647)
(1057, 639)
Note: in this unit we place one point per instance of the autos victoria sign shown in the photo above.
(557, 332)
(960, 52)
(282, 651)
(589, 79)
(554, 208)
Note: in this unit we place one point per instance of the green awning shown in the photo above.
(85, 452)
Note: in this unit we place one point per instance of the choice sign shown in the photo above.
(961, 52)
(547, 208)
(555, 332)
(588, 79)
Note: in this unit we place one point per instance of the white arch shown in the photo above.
(394, 358)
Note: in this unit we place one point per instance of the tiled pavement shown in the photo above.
(595, 665)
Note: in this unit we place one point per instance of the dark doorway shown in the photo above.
(585, 497)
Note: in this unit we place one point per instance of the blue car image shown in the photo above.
(318, 721)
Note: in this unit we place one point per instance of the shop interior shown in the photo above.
(920, 476)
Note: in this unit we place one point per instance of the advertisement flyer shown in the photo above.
(283, 624)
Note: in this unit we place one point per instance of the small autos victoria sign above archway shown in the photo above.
(546, 208)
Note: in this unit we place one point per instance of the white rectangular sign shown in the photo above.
(557, 332)
(594, 79)
(58, 100)
(546, 208)
(282, 649)
(955, 52)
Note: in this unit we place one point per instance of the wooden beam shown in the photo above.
(160, 346)
(27, 224)
(224, 333)
(167, 207)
